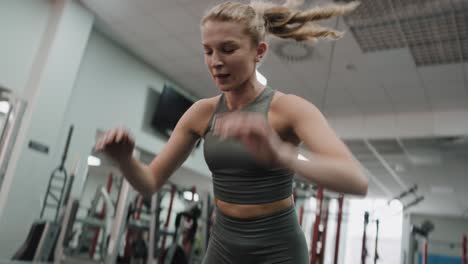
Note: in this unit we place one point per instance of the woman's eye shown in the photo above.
(228, 50)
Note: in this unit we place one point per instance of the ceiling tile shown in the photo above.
(340, 111)
(408, 107)
(445, 85)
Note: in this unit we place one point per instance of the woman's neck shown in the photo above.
(242, 96)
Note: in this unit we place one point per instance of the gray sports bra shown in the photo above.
(237, 177)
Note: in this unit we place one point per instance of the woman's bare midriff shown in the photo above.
(248, 211)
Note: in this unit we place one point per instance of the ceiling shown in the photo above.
(397, 57)
(345, 77)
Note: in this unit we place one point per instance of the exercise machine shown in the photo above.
(43, 234)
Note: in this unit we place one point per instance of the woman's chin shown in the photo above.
(224, 87)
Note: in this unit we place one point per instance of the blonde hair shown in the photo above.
(283, 21)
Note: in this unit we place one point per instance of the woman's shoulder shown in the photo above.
(201, 112)
(206, 104)
(290, 103)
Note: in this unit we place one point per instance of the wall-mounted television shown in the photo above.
(170, 108)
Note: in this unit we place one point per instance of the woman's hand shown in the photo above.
(253, 130)
(117, 144)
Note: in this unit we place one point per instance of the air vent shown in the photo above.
(293, 51)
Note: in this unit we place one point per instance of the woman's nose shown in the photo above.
(216, 61)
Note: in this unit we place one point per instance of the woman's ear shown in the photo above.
(262, 49)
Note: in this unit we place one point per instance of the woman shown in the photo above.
(251, 137)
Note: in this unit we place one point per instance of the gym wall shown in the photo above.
(80, 78)
(22, 24)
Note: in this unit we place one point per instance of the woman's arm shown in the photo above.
(148, 179)
(331, 165)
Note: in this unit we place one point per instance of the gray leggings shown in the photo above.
(276, 238)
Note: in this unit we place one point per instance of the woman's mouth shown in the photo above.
(221, 77)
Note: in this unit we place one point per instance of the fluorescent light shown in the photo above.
(425, 157)
(395, 205)
(94, 161)
(400, 168)
(4, 107)
(188, 196)
(301, 157)
(261, 78)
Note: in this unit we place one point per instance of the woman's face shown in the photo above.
(230, 54)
